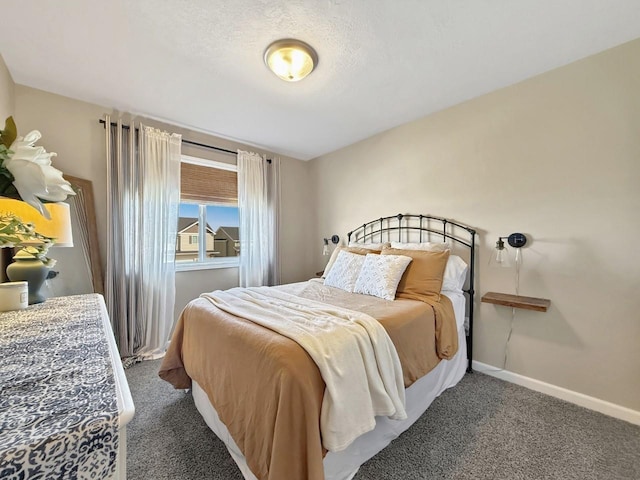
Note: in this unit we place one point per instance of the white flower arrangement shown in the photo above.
(26, 171)
(26, 174)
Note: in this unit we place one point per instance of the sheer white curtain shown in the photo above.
(143, 195)
(259, 205)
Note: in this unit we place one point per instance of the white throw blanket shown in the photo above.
(356, 358)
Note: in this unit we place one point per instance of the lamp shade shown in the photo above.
(59, 227)
(500, 256)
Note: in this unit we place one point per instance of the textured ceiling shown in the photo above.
(198, 63)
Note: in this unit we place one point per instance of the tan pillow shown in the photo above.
(362, 250)
(334, 256)
(423, 276)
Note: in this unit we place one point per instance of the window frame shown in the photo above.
(204, 263)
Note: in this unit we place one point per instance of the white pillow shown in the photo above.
(428, 246)
(381, 274)
(332, 260)
(369, 246)
(345, 271)
(455, 274)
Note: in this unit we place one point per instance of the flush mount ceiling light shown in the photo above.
(290, 59)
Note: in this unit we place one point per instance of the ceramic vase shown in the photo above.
(31, 270)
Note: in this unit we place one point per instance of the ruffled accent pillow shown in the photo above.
(381, 274)
(345, 271)
(352, 249)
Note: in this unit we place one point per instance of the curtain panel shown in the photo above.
(259, 206)
(143, 195)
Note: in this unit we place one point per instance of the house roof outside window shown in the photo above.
(232, 233)
(186, 225)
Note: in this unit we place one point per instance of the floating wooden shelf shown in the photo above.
(517, 301)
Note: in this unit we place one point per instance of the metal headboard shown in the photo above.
(423, 228)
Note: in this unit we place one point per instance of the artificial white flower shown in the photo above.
(34, 177)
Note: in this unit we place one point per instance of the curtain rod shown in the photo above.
(188, 142)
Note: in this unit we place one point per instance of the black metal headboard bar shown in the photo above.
(382, 228)
(402, 216)
(372, 235)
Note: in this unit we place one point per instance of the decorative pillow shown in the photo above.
(381, 274)
(423, 277)
(332, 260)
(370, 246)
(429, 246)
(345, 271)
(337, 250)
(455, 274)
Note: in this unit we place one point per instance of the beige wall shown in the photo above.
(70, 128)
(556, 157)
(7, 102)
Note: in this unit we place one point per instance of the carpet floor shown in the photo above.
(483, 428)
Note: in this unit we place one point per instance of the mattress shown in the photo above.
(345, 464)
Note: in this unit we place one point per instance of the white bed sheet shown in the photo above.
(345, 464)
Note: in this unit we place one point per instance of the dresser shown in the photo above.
(64, 397)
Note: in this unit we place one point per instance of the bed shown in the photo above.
(264, 395)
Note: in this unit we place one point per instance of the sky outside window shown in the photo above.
(217, 216)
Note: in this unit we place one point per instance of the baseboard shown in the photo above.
(592, 403)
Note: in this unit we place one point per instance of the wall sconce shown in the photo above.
(500, 255)
(334, 239)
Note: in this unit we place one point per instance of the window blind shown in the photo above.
(208, 185)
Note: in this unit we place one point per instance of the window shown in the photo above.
(208, 233)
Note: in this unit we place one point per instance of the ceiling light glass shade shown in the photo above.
(290, 59)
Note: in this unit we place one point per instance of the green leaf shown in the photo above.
(9, 133)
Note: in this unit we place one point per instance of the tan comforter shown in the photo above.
(265, 387)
